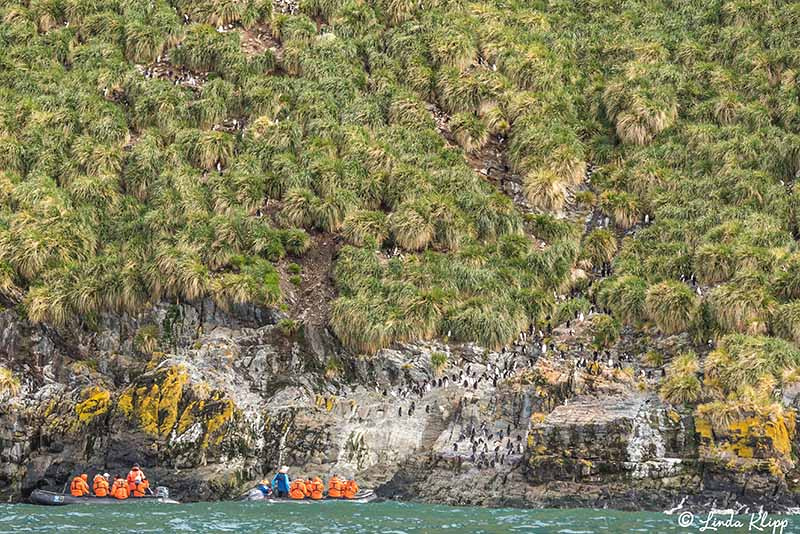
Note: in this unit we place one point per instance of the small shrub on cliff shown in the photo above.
(671, 305)
(653, 359)
(9, 384)
(743, 305)
(569, 309)
(585, 198)
(604, 330)
(749, 361)
(289, 327)
(438, 362)
(682, 385)
(625, 297)
(147, 338)
(599, 247)
(786, 321)
(333, 368)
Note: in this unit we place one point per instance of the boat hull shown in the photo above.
(362, 497)
(50, 498)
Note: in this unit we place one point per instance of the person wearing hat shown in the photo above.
(265, 488)
(100, 485)
(280, 482)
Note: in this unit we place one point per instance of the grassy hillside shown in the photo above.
(148, 152)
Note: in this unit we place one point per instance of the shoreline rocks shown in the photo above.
(217, 401)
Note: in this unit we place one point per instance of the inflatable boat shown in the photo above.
(50, 498)
(363, 496)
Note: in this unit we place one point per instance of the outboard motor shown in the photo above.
(162, 492)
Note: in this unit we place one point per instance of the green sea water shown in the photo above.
(345, 518)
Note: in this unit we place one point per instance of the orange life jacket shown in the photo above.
(297, 489)
(350, 489)
(100, 486)
(78, 487)
(140, 488)
(120, 489)
(317, 489)
(132, 475)
(335, 488)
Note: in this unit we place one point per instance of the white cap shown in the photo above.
(106, 475)
(284, 469)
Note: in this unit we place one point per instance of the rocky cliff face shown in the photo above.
(209, 402)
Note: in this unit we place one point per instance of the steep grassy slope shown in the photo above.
(144, 155)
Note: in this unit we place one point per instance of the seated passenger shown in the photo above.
(119, 490)
(79, 487)
(335, 487)
(297, 489)
(350, 489)
(264, 488)
(133, 474)
(100, 485)
(317, 489)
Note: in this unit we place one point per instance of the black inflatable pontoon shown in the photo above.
(363, 496)
(50, 498)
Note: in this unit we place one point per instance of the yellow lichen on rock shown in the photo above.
(754, 433)
(187, 418)
(167, 405)
(155, 406)
(148, 400)
(703, 427)
(215, 422)
(171, 393)
(125, 403)
(96, 403)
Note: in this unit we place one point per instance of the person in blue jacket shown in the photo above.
(265, 488)
(280, 482)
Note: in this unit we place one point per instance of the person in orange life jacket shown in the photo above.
(350, 489)
(317, 489)
(78, 487)
(335, 487)
(297, 489)
(141, 486)
(133, 474)
(119, 490)
(100, 485)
